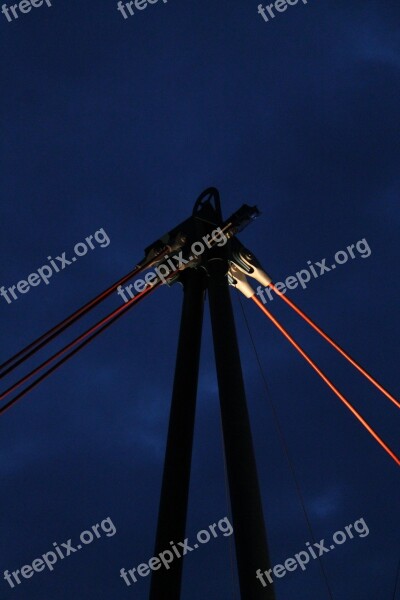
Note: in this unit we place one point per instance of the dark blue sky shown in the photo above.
(120, 124)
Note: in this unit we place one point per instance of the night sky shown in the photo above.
(120, 124)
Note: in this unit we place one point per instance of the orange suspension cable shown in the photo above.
(9, 365)
(95, 330)
(327, 380)
(336, 346)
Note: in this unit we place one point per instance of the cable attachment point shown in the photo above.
(162, 248)
(246, 262)
(238, 280)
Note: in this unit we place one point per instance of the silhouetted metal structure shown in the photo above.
(247, 514)
(212, 270)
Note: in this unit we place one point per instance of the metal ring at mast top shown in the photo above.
(210, 196)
